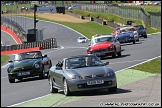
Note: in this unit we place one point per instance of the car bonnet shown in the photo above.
(86, 71)
(101, 45)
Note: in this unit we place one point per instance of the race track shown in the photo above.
(66, 38)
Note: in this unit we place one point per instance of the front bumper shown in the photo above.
(24, 74)
(81, 85)
(126, 40)
(102, 53)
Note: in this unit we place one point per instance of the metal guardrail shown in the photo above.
(44, 44)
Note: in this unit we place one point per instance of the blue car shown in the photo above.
(141, 31)
(127, 37)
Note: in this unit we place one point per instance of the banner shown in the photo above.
(51, 9)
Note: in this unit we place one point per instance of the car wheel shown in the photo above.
(134, 41)
(145, 36)
(119, 53)
(12, 80)
(114, 53)
(42, 75)
(66, 89)
(112, 89)
(52, 90)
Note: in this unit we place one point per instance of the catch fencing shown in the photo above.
(15, 27)
(133, 12)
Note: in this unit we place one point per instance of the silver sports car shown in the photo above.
(81, 73)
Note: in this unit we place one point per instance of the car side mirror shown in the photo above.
(106, 63)
(10, 61)
(45, 55)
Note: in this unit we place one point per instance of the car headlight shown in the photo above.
(109, 74)
(36, 65)
(88, 49)
(131, 35)
(10, 69)
(75, 77)
(111, 46)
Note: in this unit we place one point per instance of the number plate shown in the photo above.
(23, 73)
(95, 82)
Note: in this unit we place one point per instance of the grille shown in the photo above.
(92, 76)
(100, 50)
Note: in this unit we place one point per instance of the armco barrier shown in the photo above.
(45, 44)
(20, 51)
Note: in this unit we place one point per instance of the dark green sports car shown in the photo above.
(28, 64)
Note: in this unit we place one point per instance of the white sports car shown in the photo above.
(82, 40)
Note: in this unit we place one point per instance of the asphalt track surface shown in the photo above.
(66, 38)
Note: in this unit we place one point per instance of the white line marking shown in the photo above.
(138, 63)
(4, 66)
(28, 100)
(116, 71)
(129, 61)
(52, 51)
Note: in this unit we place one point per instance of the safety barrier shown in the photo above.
(44, 44)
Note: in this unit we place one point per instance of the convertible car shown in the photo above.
(127, 34)
(104, 45)
(141, 31)
(28, 64)
(72, 74)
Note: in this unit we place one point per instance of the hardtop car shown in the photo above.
(72, 74)
(28, 64)
(82, 39)
(104, 45)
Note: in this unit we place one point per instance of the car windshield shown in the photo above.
(82, 38)
(104, 39)
(27, 55)
(83, 61)
(139, 27)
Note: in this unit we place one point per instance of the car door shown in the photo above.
(58, 75)
(141, 30)
(117, 44)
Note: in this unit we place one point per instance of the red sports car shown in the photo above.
(104, 45)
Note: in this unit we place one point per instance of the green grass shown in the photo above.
(153, 66)
(4, 58)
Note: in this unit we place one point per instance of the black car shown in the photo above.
(28, 64)
(141, 31)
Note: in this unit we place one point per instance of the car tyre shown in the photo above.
(42, 75)
(52, 90)
(112, 89)
(119, 53)
(114, 53)
(134, 41)
(12, 80)
(66, 88)
(145, 36)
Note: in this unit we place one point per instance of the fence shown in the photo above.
(155, 19)
(15, 27)
(44, 44)
(125, 12)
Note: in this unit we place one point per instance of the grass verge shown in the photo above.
(153, 66)
(4, 58)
